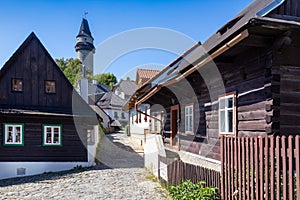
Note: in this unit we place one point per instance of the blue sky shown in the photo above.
(57, 23)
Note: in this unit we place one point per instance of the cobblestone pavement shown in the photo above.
(99, 182)
(95, 183)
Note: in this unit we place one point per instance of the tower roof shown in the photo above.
(84, 29)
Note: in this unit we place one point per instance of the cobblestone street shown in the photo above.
(99, 182)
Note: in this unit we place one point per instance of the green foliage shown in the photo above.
(71, 68)
(78, 167)
(106, 79)
(102, 129)
(192, 191)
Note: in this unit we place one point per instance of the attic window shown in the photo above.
(229, 25)
(50, 87)
(17, 85)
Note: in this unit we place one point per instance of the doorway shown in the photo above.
(174, 137)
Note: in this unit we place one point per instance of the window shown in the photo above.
(17, 84)
(123, 115)
(155, 123)
(50, 87)
(52, 135)
(226, 114)
(13, 135)
(90, 137)
(189, 118)
(116, 115)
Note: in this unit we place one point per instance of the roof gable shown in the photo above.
(143, 75)
(128, 87)
(110, 100)
(32, 63)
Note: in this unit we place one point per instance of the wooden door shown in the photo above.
(174, 141)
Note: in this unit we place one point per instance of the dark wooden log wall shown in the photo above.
(33, 151)
(249, 75)
(288, 8)
(34, 65)
(287, 67)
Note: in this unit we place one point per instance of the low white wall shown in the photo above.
(138, 128)
(10, 169)
(152, 148)
(198, 160)
(92, 148)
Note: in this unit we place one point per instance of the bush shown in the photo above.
(102, 129)
(192, 191)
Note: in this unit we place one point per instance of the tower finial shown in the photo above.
(85, 14)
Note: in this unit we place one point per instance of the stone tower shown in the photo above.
(85, 48)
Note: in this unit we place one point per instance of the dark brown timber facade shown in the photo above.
(37, 105)
(256, 90)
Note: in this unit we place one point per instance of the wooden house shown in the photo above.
(244, 80)
(44, 124)
(112, 104)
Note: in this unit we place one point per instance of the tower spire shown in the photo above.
(84, 47)
(85, 14)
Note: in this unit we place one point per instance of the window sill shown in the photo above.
(52, 145)
(13, 145)
(188, 133)
(227, 134)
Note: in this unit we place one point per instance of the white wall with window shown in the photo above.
(189, 118)
(227, 114)
(118, 114)
(156, 124)
(142, 125)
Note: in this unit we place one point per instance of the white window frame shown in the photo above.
(187, 116)
(14, 127)
(226, 110)
(52, 126)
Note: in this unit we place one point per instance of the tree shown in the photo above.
(106, 79)
(71, 68)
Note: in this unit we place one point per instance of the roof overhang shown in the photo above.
(260, 24)
(225, 38)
